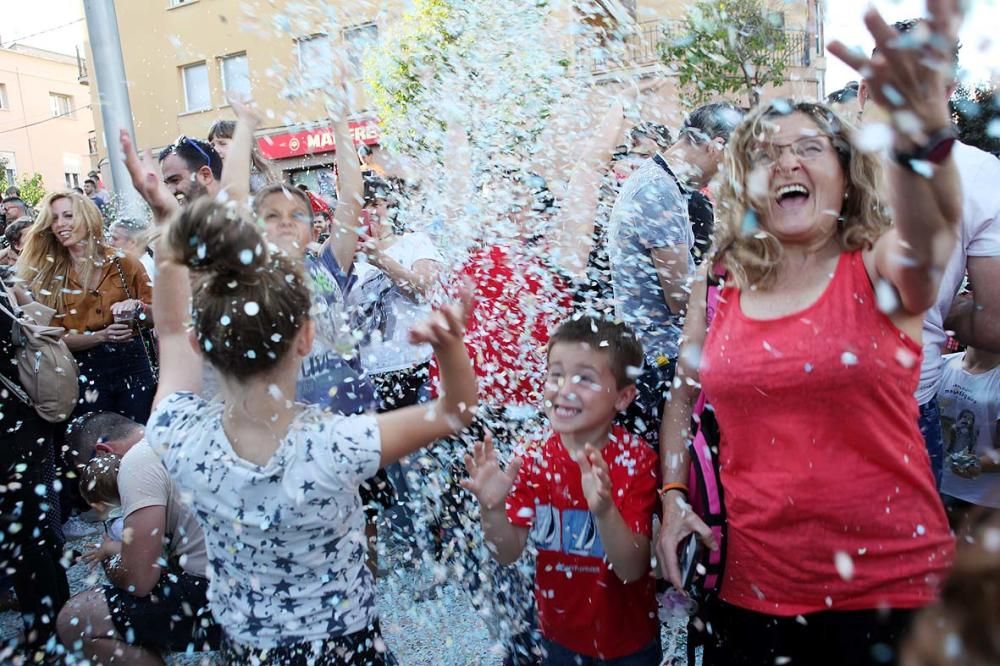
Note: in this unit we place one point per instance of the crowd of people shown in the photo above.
(262, 377)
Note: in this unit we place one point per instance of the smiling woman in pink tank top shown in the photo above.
(835, 532)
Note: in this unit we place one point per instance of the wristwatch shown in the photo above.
(936, 149)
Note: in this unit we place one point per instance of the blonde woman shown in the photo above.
(100, 298)
(836, 533)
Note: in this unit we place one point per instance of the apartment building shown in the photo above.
(45, 117)
(182, 57)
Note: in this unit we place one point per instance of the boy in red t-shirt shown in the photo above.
(588, 496)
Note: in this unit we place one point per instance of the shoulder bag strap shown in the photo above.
(139, 327)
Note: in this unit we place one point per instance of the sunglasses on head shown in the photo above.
(183, 139)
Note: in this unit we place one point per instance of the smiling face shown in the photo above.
(67, 230)
(805, 182)
(288, 223)
(581, 392)
(180, 180)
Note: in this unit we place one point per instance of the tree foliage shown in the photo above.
(976, 113)
(491, 66)
(727, 47)
(31, 187)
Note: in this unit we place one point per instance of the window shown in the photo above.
(8, 168)
(197, 96)
(235, 75)
(315, 61)
(360, 40)
(4, 104)
(72, 180)
(60, 105)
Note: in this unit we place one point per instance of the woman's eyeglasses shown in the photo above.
(805, 149)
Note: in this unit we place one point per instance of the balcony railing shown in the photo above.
(642, 48)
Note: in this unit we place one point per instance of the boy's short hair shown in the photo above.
(99, 480)
(604, 335)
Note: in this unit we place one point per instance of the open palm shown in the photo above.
(487, 480)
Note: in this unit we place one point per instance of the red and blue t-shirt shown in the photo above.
(582, 604)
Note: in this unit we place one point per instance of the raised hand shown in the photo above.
(487, 481)
(910, 75)
(245, 110)
(595, 478)
(446, 325)
(146, 180)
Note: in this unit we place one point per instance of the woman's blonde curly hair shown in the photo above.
(749, 253)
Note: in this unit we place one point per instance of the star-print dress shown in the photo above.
(286, 539)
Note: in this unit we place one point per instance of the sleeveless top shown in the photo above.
(830, 500)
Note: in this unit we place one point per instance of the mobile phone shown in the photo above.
(689, 554)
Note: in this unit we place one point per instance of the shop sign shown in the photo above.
(318, 140)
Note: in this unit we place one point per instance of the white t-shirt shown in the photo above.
(979, 173)
(144, 482)
(389, 313)
(149, 264)
(970, 412)
(286, 540)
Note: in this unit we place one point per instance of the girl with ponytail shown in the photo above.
(274, 482)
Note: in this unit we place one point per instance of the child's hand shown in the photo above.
(107, 549)
(245, 110)
(596, 480)
(487, 481)
(446, 326)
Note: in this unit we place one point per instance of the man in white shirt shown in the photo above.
(975, 320)
(157, 599)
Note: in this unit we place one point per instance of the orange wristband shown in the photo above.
(667, 487)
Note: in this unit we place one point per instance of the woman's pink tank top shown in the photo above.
(829, 495)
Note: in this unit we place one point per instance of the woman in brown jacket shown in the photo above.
(101, 299)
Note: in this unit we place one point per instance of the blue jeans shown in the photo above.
(116, 378)
(557, 655)
(930, 428)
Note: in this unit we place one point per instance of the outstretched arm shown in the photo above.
(913, 81)
(239, 160)
(146, 180)
(180, 363)
(343, 240)
(404, 431)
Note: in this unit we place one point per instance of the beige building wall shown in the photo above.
(32, 138)
(162, 37)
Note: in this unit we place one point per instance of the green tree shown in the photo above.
(489, 65)
(976, 113)
(725, 47)
(31, 187)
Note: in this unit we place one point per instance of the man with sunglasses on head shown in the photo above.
(191, 169)
(973, 319)
(157, 601)
(652, 247)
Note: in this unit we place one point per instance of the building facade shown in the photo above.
(45, 117)
(182, 58)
